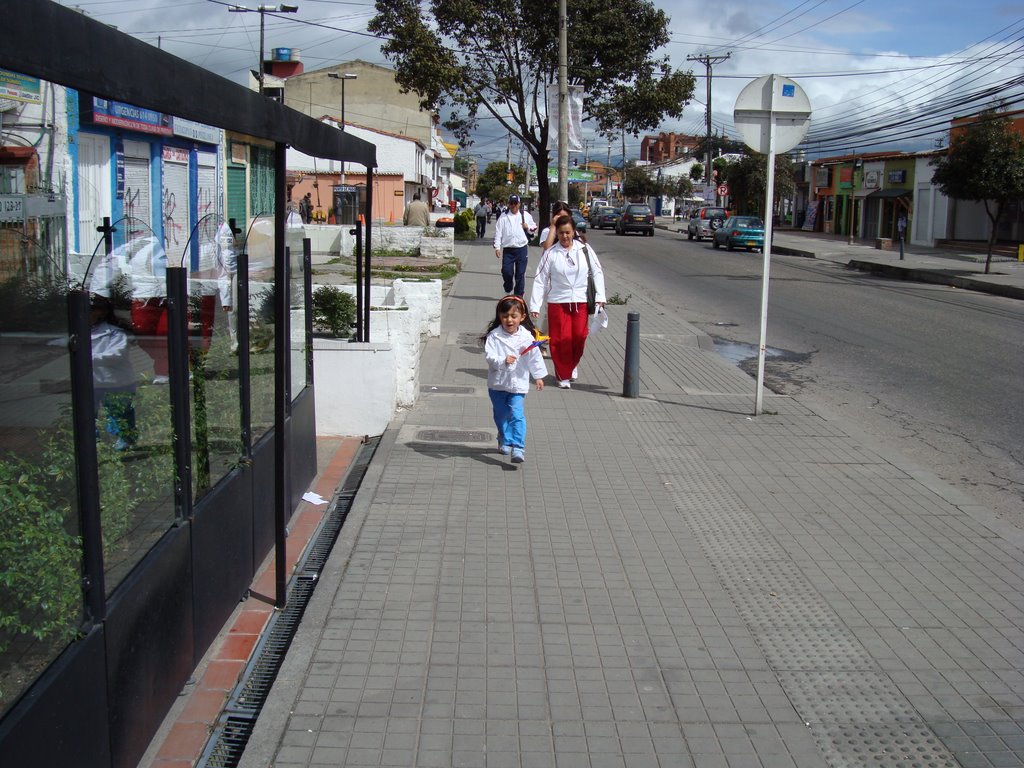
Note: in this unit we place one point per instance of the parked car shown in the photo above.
(608, 217)
(636, 217)
(740, 232)
(595, 213)
(704, 221)
(581, 223)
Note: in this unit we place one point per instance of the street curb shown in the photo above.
(938, 277)
(783, 250)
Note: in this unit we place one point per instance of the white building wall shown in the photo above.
(931, 207)
(395, 155)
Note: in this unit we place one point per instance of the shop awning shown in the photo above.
(888, 194)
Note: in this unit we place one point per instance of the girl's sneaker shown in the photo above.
(517, 456)
(504, 449)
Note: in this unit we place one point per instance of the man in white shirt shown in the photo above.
(481, 212)
(512, 235)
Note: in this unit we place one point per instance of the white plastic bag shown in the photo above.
(598, 320)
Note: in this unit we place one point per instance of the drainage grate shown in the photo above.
(231, 734)
(250, 694)
(439, 390)
(226, 750)
(454, 436)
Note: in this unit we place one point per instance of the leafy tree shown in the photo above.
(639, 184)
(680, 186)
(748, 180)
(721, 167)
(697, 171)
(493, 183)
(487, 58)
(719, 145)
(463, 165)
(985, 164)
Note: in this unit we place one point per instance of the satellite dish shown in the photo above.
(772, 98)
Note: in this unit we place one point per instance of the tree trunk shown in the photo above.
(992, 234)
(543, 190)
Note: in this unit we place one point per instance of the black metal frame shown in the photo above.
(111, 688)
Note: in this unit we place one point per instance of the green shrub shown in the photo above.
(33, 304)
(40, 593)
(464, 222)
(334, 310)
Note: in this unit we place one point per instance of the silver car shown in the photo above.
(704, 221)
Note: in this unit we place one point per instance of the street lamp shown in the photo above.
(343, 78)
(262, 9)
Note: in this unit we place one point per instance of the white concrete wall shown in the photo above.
(328, 241)
(401, 316)
(354, 387)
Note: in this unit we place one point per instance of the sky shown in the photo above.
(880, 74)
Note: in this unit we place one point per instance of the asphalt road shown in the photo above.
(933, 372)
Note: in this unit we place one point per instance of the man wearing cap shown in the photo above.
(512, 234)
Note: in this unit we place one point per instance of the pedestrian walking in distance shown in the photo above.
(513, 356)
(481, 214)
(512, 235)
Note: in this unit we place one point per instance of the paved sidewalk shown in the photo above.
(666, 581)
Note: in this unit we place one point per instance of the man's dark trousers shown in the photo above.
(513, 269)
(481, 225)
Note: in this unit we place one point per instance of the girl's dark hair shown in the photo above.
(568, 219)
(504, 305)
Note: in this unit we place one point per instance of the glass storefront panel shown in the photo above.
(40, 531)
(213, 354)
(132, 398)
(259, 244)
(297, 297)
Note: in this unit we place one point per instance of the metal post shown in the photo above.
(307, 292)
(367, 248)
(177, 361)
(88, 485)
(631, 370)
(282, 340)
(241, 307)
(358, 232)
(769, 196)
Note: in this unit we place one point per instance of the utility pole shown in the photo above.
(708, 61)
(622, 178)
(607, 174)
(563, 103)
(526, 167)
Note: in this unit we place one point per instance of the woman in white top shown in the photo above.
(561, 281)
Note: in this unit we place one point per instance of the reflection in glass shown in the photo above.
(260, 247)
(127, 290)
(298, 311)
(40, 542)
(213, 353)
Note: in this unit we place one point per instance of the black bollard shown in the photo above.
(631, 372)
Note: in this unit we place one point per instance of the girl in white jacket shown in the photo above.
(561, 281)
(512, 357)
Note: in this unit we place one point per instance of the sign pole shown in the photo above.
(770, 122)
(769, 196)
